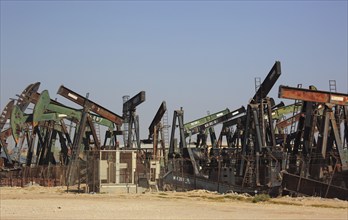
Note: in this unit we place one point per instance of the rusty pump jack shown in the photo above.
(88, 105)
(158, 157)
(323, 167)
(29, 95)
(132, 119)
(259, 149)
(5, 115)
(188, 166)
(45, 111)
(156, 133)
(191, 128)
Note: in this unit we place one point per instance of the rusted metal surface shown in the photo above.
(156, 134)
(295, 184)
(287, 122)
(94, 107)
(312, 95)
(260, 153)
(27, 95)
(6, 113)
(158, 116)
(42, 175)
(131, 127)
(224, 118)
(268, 83)
(5, 116)
(132, 103)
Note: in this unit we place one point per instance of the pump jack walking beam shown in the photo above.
(132, 119)
(223, 118)
(329, 99)
(158, 117)
(27, 96)
(268, 83)
(313, 95)
(155, 128)
(287, 122)
(45, 110)
(195, 126)
(132, 103)
(94, 107)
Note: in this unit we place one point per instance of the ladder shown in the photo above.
(249, 173)
(338, 113)
(332, 85)
(97, 131)
(165, 129)
(257, 83)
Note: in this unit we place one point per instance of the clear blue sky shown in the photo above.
(199, 55)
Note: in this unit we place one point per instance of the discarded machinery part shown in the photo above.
(93, 131)
(257, 136)
(73, 166)
(295, 118)
(102, 121)
(223, 118)
(284, 110)
(5, 134)
(156, 131)
(43, 175)
(234, 121)
(218, 120)
(312, 95)
(322, 148)
(132, 120)
(27, 96)
(55, 112)
(287, 122)
(268, 83)
(278, 106)
(298, 184)
(158, 117)
(3, 145)
(6, 114)
(18, 118)
(192, 127)
(178, 116)
(94, 107)
(58, 111)
(132, 103)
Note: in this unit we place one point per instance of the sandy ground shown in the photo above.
(37, 202)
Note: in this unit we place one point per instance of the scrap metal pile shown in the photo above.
(296, 149)
(35, 154)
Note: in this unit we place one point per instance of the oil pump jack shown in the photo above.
(259, 162)
(156, 132)
(29, 95)
(188, 165)
(5, 115)
(318, 157)
(49, 111)
(152, 168)
(131, 135)
(88, 105)
(254, 165)
(43, 126)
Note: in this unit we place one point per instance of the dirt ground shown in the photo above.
(37, 202)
